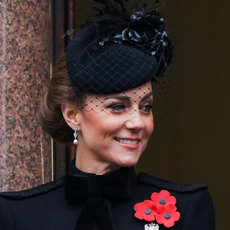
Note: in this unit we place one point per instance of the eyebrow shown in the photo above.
(126, 98)
(148, 95)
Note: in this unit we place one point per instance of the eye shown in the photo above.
(146, 108)
(117, 107)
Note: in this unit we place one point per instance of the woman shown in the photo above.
(100, 97)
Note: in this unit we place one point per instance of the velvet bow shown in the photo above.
(95, 191)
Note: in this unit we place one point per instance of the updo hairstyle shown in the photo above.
(60, 90)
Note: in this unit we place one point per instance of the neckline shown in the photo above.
(129, 172)
(74, 171)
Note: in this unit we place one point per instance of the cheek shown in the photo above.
(149, 126)
(99, 124)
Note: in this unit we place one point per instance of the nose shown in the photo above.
(135, 121)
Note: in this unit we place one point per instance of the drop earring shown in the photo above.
(75, 141)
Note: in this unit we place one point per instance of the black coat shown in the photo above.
(55, 206)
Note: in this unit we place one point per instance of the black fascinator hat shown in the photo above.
(119, 53)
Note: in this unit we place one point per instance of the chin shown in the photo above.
(129, 163)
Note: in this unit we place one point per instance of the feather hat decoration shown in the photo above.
(121, 9)
(122, 46)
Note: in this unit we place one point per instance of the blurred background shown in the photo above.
(190, 142)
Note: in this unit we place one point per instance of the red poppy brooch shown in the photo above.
(161, 209)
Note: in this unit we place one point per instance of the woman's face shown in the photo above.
(114, 129)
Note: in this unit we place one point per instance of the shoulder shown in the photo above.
(192, 201)
(149, 180)
(41, 189)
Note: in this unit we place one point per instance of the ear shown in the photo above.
(70, 113)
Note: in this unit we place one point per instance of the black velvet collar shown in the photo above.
(96, 191)
(81, 185)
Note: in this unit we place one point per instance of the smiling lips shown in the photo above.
(129, 142)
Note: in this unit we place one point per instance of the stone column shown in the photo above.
(25, 58)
